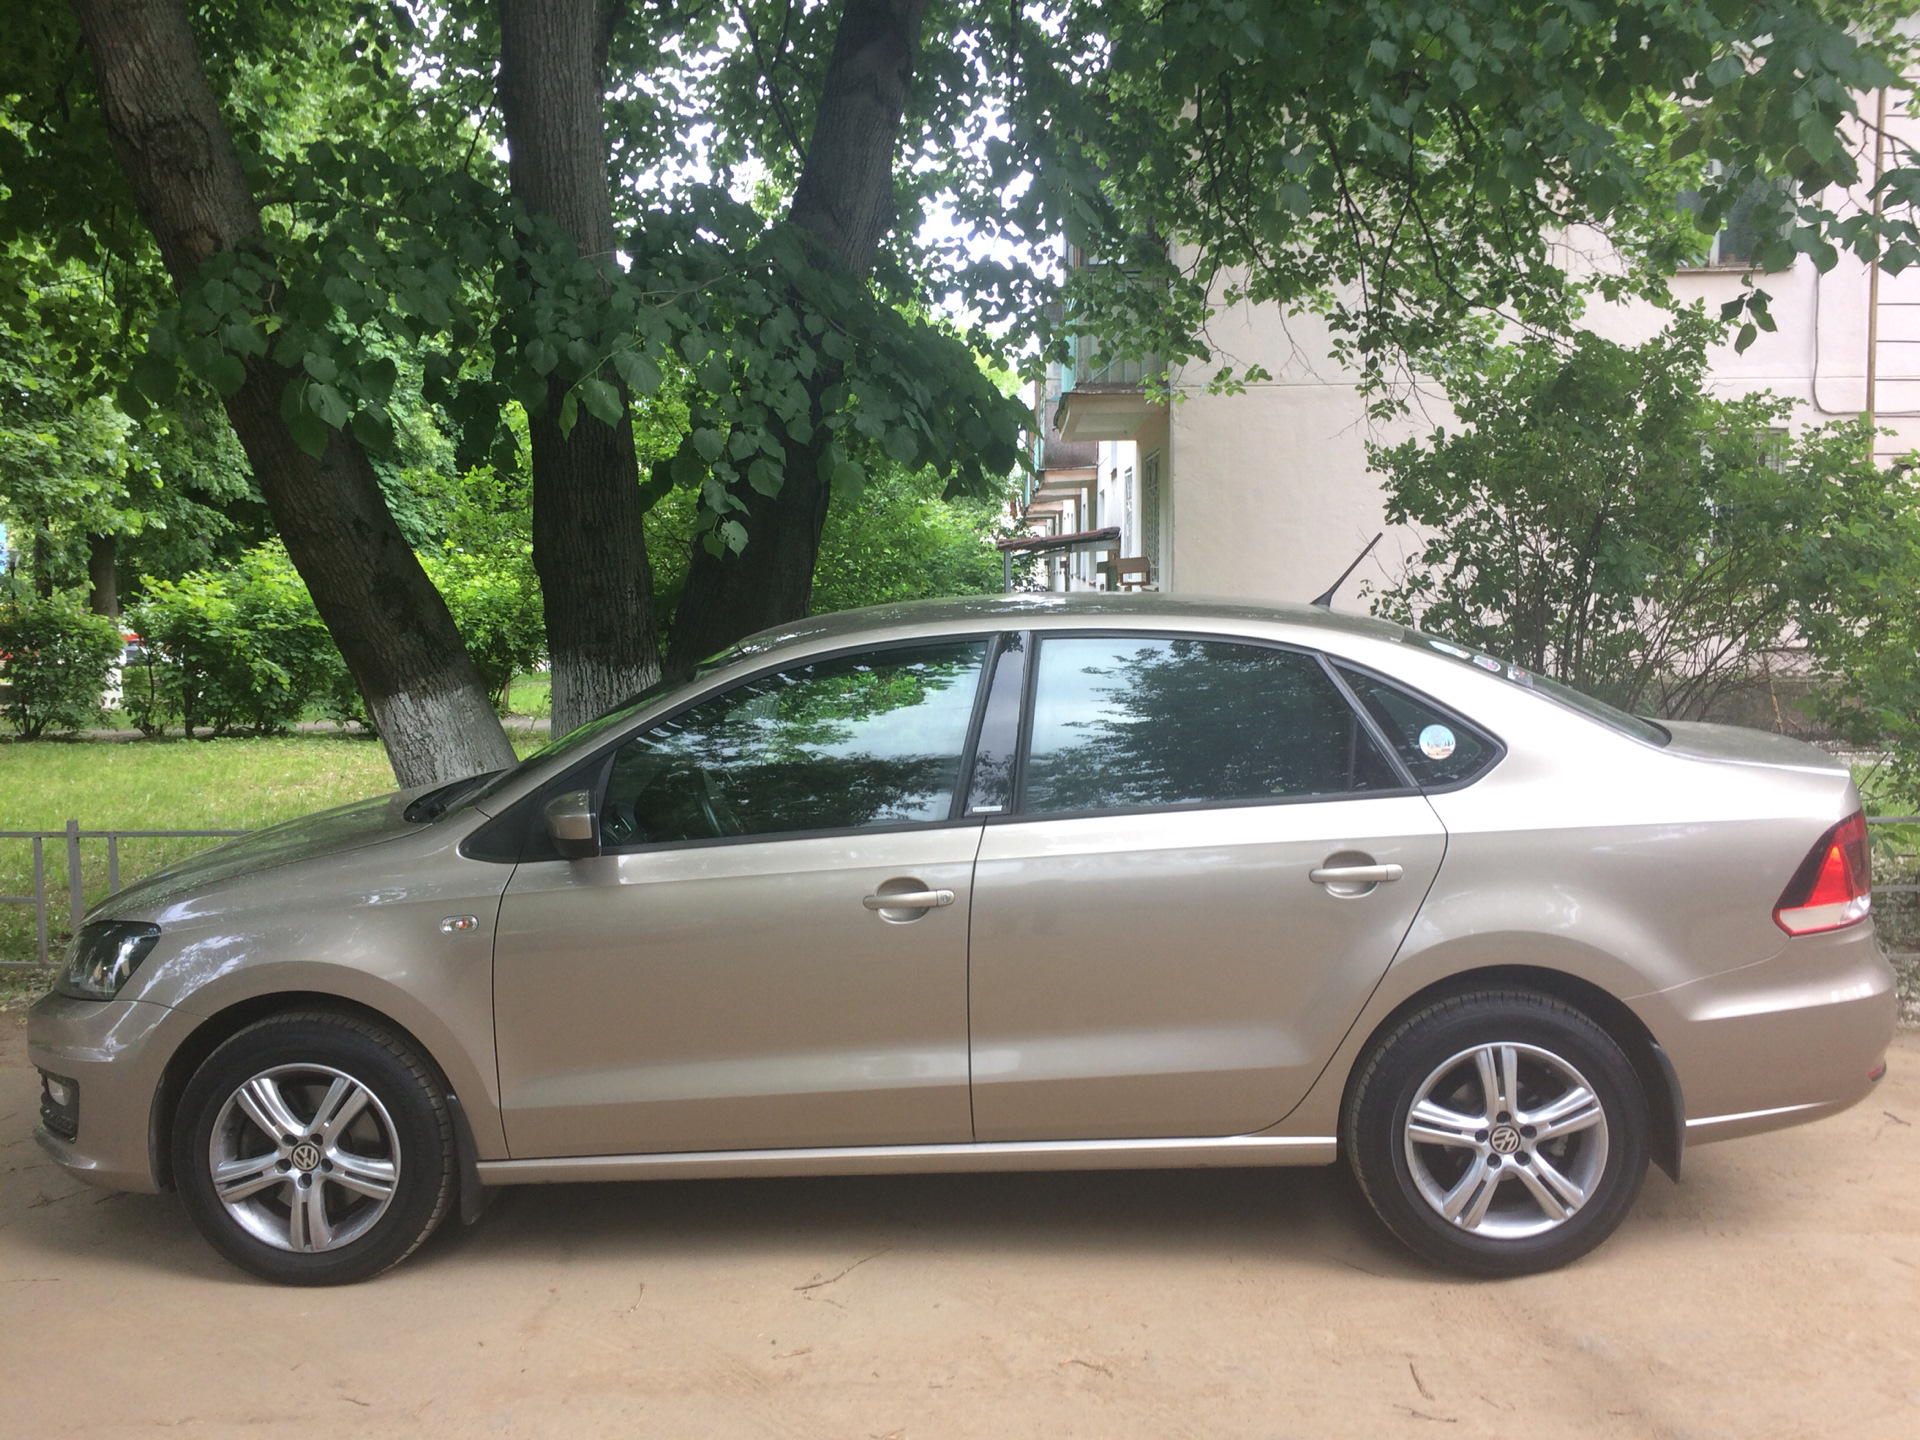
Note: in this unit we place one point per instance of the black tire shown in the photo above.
(1607, 1159)
(332, 1179)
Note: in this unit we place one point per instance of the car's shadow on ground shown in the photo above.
(1312, 1217)
(1309, 1215)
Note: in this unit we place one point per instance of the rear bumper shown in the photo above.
(1789, 1040)
(107, 1048)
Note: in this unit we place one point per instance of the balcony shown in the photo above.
(1104, 397)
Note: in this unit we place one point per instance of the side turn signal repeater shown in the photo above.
(1833, 887)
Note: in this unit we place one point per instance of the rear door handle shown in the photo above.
(909, 900)
(1354, 874)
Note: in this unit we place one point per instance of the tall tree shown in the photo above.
(389, 622)
(1404, 170)
(589, 544)
(843, 206)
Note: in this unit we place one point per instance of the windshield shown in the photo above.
(1611, 716)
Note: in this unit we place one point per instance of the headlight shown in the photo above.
(103, 956)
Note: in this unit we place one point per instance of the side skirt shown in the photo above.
(1168, 1154)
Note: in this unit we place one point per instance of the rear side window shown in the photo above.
(1436, 746)
(1127, 721)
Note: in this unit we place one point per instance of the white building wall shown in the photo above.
(1268, 492)
(1267, 495)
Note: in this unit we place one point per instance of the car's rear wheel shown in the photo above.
(314, 1149)
(1498, 1133)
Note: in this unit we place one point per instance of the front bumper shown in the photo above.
(107, 1048)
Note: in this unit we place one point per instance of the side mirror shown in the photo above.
(574, 826)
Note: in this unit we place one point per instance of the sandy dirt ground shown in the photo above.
(1775, 1293)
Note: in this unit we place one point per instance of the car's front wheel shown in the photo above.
(314, 1149)
(1498, 1133)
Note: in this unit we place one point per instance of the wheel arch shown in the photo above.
(1666, 1103)
(216, 1029)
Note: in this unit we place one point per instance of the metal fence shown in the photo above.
(76, 899)
(77, 907)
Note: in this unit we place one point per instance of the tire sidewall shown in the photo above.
(421, 1132)
(1378, 1128)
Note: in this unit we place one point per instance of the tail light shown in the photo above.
(1833, 887)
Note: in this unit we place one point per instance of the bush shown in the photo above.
(1606, 521)
(235, 651)
(55, 654)
(496, 606)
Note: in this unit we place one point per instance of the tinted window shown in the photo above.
(1437, 746)
(872, 739)
(1137, 721)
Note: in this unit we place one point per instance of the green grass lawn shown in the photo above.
(158, 785)
(162, 785)
(531, 695)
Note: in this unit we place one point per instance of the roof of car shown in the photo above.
(1018, 609)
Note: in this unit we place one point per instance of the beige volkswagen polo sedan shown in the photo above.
(1019, 883)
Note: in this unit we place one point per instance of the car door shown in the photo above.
(728, 974)
(1210, 862)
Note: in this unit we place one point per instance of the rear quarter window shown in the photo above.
(1438, 747)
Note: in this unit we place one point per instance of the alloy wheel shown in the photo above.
(304, 1158)
(1506, 1141)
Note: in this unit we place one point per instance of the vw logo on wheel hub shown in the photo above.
(306, 1155)
(1504, 1140)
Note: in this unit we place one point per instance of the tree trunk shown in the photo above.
(589, 541)
(391, 625)
(103, 594)
(843, 205)
(43, 560)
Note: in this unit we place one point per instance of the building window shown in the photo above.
(1129, 526)
(1150, 515)
(1739, 236)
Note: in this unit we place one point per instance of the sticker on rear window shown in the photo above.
(1453, 650)
(1436, 742)
(1487, 662)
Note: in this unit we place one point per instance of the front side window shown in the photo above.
(1126, 721)
(854, 741)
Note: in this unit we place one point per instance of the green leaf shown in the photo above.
(686, 467)
(849, 481)
(320, 367)
(901, 445)
(530, 388)
(641, 375)
(378, 379)
(129, 399)
(601, 399)
(765, 477)
(155, 378)
(542, 356)
(708, 443)
(308, 433)
(329, 404)
(373, 430)
(226, 374)
(569, 413)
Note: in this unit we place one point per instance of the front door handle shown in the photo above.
(1354, 874)
(909, 900)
